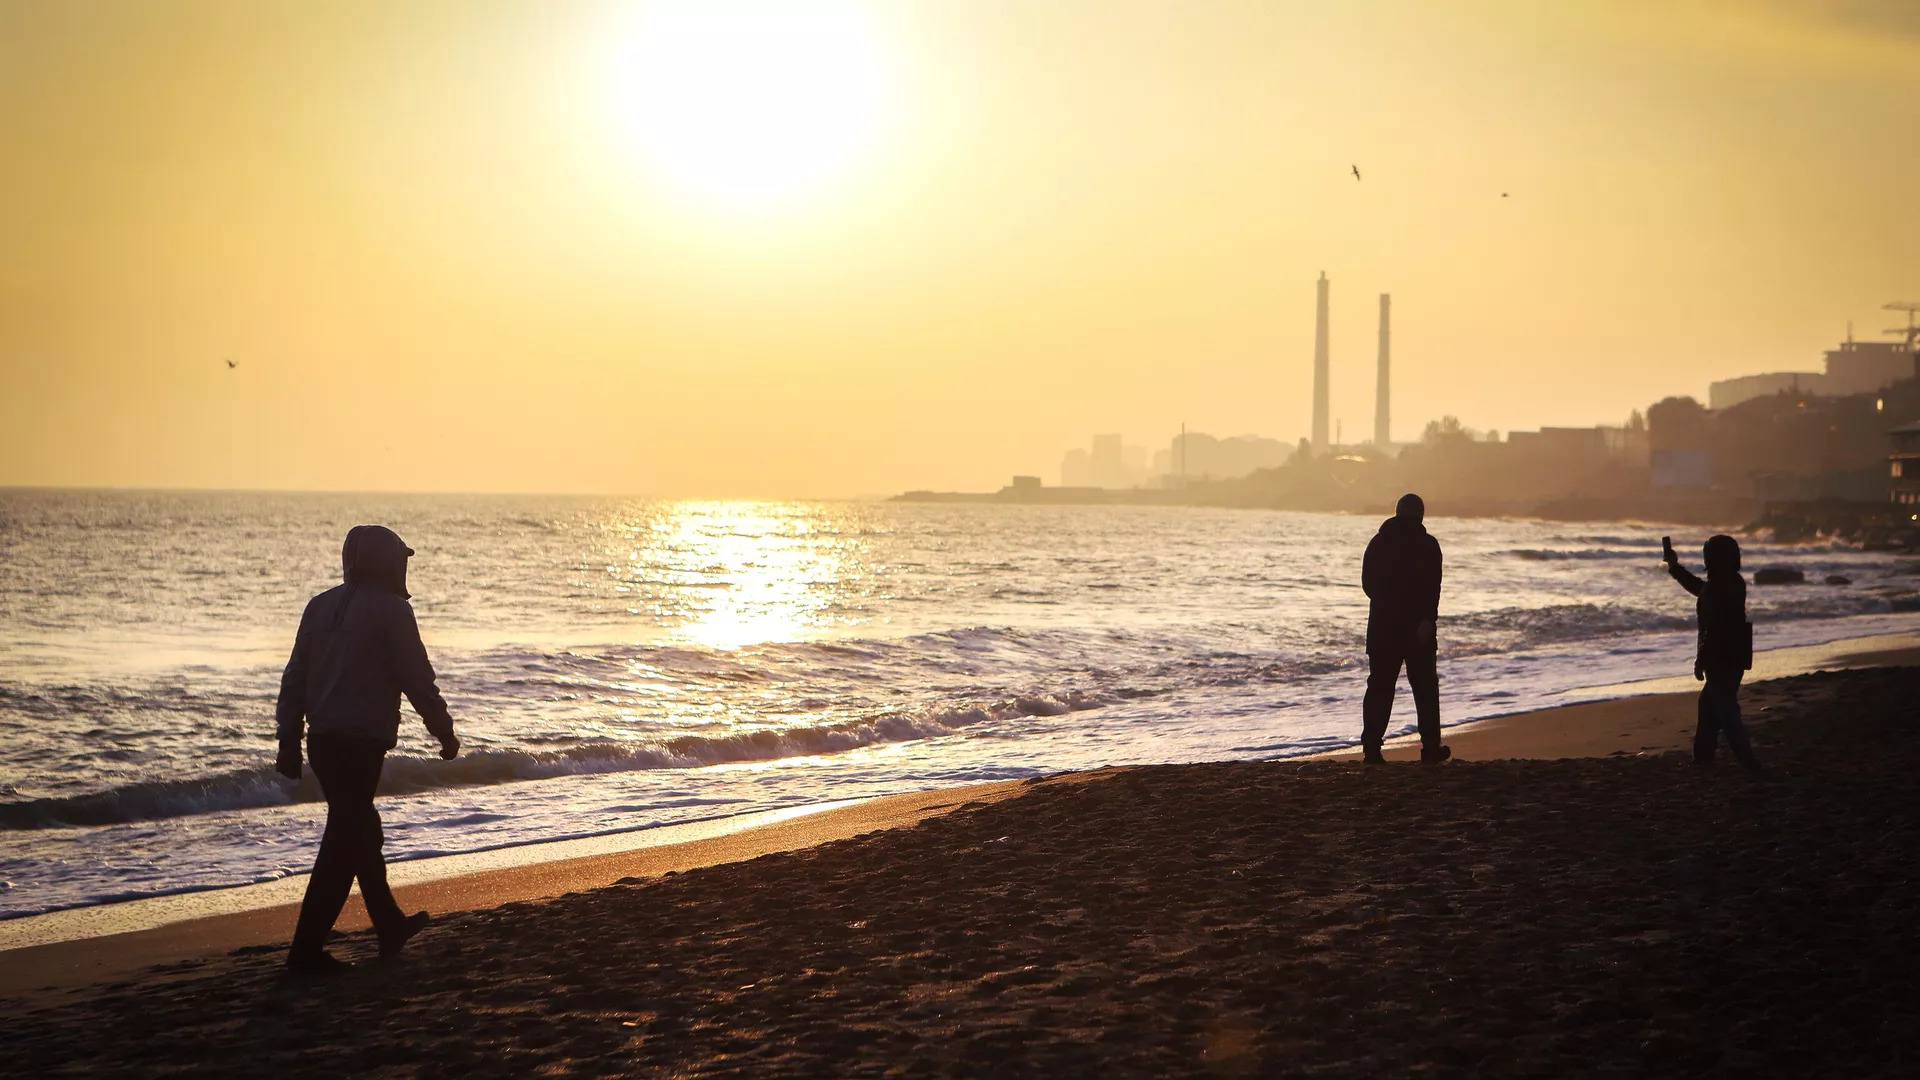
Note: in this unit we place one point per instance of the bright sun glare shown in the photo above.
(747, 103)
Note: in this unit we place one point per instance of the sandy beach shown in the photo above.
(1516, 912)
(72, 949)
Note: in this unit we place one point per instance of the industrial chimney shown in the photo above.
(1320, 369)
(1382, 427)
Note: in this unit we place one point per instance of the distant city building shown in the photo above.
(1561, 444)
(1861, 367)
(1074, 469)
(1110, 464)
(1628, 445)
(1727, 393)
(1856, 367)
(1570, 447)
(1904, 465)
(1198, 456)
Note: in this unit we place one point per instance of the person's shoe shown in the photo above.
(1435, 753)
(390, 945)
(1371, 755)
(317, 962)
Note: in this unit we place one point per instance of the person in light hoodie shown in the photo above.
(358, 649)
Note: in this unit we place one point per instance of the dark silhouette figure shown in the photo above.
(1724, 650)
(357, 651)
(1401, 576)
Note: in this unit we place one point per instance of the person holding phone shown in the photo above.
(1401, 577)
(1724, 646)
(357, 651)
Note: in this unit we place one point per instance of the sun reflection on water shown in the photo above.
(734, 574)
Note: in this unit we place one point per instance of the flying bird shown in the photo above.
(1503, 194)
(1356, 172)
(231, 364)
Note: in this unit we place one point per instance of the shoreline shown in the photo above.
(1861, 650)
(1631, 916)
(50, 961)
(77, 946)
(158, 909)
(1730, 512)
(1663, 719)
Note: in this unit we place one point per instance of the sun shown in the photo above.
(747, 103)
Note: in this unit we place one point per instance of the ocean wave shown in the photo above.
(406, 775)
(1551, 555)
(1611, 541)
(1518, 627)
(242, 790)
(1521, 627)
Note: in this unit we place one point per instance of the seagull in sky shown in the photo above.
(1356, 172)
(231, 364)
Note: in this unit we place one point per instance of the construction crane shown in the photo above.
(1910, 330)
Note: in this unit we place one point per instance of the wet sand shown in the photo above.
(1620, 913)
(73, 958)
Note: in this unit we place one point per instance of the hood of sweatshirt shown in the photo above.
(375, 555)
(1722, 556)
(1399, 526)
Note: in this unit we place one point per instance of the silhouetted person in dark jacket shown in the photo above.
(1401, 576)
(1724, 649)
(357, 651)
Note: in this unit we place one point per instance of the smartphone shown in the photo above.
(1666, 548)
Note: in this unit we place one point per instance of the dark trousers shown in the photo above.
(348, 771)
(1720, 712)
(1383, 674)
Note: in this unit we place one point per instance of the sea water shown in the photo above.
(616, 664)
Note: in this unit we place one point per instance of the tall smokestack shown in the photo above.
(1382, 428)
(1320, 369)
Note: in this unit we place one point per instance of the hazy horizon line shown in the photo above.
(192, 490)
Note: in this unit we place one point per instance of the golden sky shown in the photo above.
(862, 247)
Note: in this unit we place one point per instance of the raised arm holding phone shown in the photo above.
(1724, 646)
